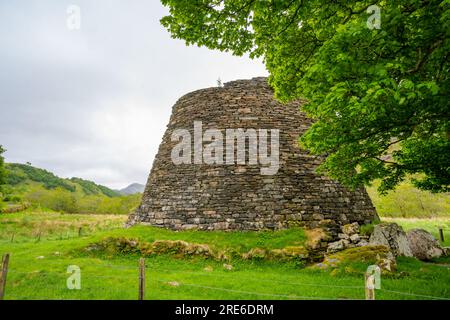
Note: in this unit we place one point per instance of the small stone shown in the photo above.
(362, 243)
(351, 228)
(208, 269)
(343, 236)
(321, 265)
(387, 265)
(355, 238)
(333, 260)
(228, 267)
(173, 284)
(336, 246)
(189, 227)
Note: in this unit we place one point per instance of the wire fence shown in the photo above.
(163, 279)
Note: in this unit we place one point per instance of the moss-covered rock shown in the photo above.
(316, 238)
(379, 255)
(255, 254)
(286, 254)
(132, 246)
(289, 253)
(369, 254)
(181, 248)
(115, 246)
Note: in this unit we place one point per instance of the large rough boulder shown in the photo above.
(392, 236)
(423, 245)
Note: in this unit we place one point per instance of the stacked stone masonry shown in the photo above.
(239, 197)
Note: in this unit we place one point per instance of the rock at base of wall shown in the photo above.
(392, 236)
(423, 245)
(351, 229)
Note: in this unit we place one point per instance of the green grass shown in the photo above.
(38, 269)
(29, 226)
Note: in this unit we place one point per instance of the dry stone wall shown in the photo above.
(211, 197)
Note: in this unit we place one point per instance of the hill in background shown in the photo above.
(19, 174)
(40, 188)
(132, 189)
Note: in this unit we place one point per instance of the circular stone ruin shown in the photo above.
(198, 193)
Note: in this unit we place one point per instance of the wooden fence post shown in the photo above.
(79, 231)
(370, 286)
(3, 274)
(141, 279)
(441, 234)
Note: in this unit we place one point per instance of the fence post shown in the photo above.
(4, 272)
(79, 231)
(370, 286)
(141, 279)
(12, 237)
(441, 234)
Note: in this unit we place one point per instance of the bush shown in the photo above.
(70, 202)
(64, 202)
(408, 202)
(14, 198)
(18, 173)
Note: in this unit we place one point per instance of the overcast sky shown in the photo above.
(94, 102)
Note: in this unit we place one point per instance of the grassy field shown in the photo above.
(38, 266)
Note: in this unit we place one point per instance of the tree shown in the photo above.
(2, 176)
(2, 167)
(375, 77)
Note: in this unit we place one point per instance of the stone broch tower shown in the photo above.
(211, 197)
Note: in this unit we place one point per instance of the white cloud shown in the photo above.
(95, 103)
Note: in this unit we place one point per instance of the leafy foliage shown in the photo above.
(379, 97)
(2, 166)
(409, 202)
(19, 173)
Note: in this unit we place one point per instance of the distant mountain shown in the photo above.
(132, 189)
(24, 174)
